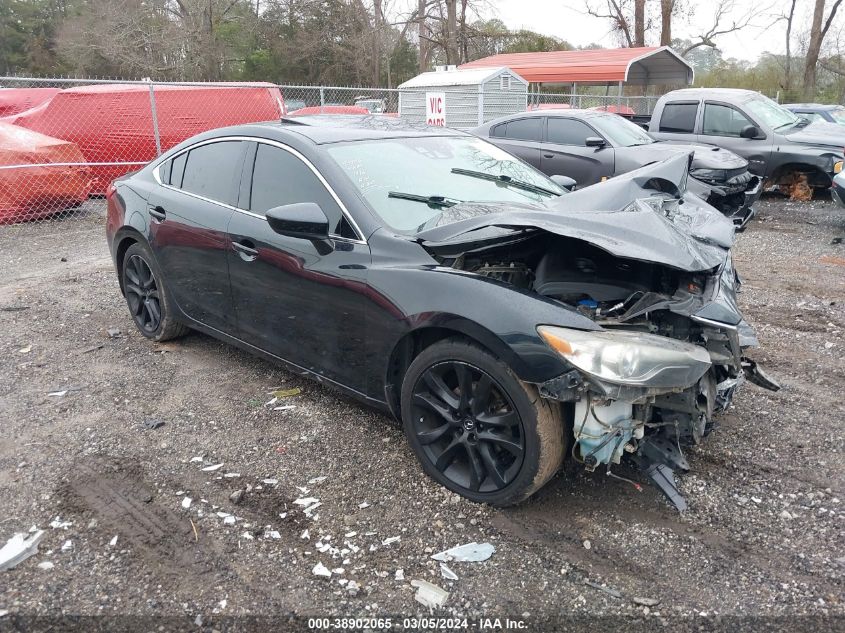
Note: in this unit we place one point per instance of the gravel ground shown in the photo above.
(762, 539)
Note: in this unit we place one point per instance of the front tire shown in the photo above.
(147, 296)
(476, 428)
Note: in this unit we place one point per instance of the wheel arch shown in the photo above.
(816, 176)
(123, 239)
(413, 342)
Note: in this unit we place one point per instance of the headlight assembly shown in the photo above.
(709, 175)
(629, 358)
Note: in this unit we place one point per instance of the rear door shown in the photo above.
(564, 152)
(300, 300)
(521, 137)
(189, 213)
(722, 123)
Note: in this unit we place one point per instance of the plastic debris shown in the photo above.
(587, 544)
(305, 501)
(46, 565)
(248, 536)
(447, 573)
(287, 393)
(363, 505)
(196, 459)
(399, 575)
(25, 350)
(608, 590)
(270, 482)
(274, 534)
(4, 613)
(232, 475)
(429, 595)
(469, 553)
(113, 542)
(317, 480)
(229, 520)
(321, 570)
(305, 536)
(113, 332)
(391, 539)
(186, 503)
(286, 407)
(67, 545)
(18, 548)
(58, 394)
(57, 524)
(211, 469)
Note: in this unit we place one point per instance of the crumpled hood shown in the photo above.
(625, 216)
(818, 133)
(704, 156)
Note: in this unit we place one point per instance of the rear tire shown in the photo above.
(476, 428)
(147, 296)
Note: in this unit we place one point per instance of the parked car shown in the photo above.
(818, 112)
(371, 104)
(591, 145)
(781, 147)
(431, 274)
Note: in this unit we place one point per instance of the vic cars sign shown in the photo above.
(435, 108)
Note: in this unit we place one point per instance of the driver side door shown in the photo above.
(300, 300)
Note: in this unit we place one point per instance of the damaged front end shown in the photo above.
(732, 192)
(648, 263)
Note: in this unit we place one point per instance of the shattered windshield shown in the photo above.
(770, 113)
(620, 131)
(421, 173)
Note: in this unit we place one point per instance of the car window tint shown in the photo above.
(164, 171)
(721, 120)
(499, 131)
(177, 170)
(678, 117)
(211, 169)
(280, 178)
(568, 131)
(524, 129)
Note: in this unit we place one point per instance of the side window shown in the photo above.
(720, 120)
(499, 131)
(525, 129)
(678, 117)
(811, 116)
(177, 170)
(211, 169)
(280, 178)
(568, 131)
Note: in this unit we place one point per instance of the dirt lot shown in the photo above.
(763, 538)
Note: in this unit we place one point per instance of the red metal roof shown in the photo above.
(639, 66)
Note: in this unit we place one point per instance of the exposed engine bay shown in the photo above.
(646, 426)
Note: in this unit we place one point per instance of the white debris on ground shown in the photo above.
(18, 548)
(429, 595)
(469, 553)
(57, 524)
(186, 503)
(447, 573)
(321, 570)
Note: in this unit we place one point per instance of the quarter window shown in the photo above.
(568, 131)
(678, 117)
(211, 169)
(280, 178)
(721, 120)
(523, 129)
(177, 170)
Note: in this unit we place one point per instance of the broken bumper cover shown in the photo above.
(733, 196)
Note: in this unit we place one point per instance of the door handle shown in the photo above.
(245, 250)
(548, 155)
(158, 213)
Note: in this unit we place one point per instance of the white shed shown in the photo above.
(462, 98)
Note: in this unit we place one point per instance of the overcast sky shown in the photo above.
(567, 20)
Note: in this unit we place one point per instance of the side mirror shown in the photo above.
(303, 219)
(594, 141)
(749, 131)
(565, 181)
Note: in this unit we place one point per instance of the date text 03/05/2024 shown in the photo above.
(417, 624)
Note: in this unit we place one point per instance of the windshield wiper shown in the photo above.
(520, 184)
(432, 201)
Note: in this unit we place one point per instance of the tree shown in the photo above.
(639, 22)
(818, 31)
(667, 8)
(719, 25)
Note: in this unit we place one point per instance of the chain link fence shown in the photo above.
(62, 141)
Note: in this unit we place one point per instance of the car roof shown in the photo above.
(569, 112)
(812, 106)
(338, 128)
(725, 93)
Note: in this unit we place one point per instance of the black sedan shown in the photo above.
(590, 146)
(431, 274)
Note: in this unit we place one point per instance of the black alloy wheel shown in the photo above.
(142, 294)
(147, 295)
(476, 428)
(468, 426)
